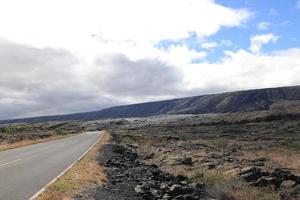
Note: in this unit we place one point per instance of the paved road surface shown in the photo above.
(24, 171)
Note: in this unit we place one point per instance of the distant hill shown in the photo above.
(283, 98)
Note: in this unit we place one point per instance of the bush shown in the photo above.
(9, 129)
(214, 179)
(219, 142)
(59, 131)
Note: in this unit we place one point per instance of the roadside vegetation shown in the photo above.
(18, 135)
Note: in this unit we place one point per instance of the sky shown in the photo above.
(68, 56)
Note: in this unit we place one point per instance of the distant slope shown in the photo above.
(241, 101)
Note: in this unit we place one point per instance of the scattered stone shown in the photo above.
(138, 189)
(262, 178)
(214, 155)
(166, 196)
(260, 160)
(130, 177)
(183, 161)
(149, 156)
(264, 182)
(296, 192)
(288, 184)
(252, 173)
(210, 165)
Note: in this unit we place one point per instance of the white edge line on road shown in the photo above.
(61, 174)
(10, 162)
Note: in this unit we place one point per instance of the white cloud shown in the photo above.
(263, 25)
(180, 55)
(70, 24)
(259, 40)
(226, 43)
(209, 45)
(244, 70)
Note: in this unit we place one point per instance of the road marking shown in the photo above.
(10, 162)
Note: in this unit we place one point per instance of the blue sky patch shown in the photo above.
(281, 18)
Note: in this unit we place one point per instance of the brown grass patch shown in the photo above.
(283, 157)
(218, 181)
(86, 173)
(245, 192)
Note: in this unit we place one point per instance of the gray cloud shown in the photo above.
(117, 75)
(42, 81)
(37, 81)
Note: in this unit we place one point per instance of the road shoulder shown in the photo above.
(86, 173)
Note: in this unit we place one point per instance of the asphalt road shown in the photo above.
(26, 170)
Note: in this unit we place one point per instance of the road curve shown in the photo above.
(26, 170)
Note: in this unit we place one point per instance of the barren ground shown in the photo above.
(235, 156)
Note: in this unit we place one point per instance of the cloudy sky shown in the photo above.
(66, 56)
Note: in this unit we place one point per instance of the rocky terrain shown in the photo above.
(131, 178)
(244, 156)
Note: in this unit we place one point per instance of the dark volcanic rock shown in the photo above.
(263, 178)
(184, 161)
(130, 178)
(252, 173)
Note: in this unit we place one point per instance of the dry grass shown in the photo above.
(23, 143)
(245, 192)
(283, 157)
(218, 181)
(221, 180)
(86, 173)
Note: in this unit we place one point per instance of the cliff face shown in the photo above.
(242, 101)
